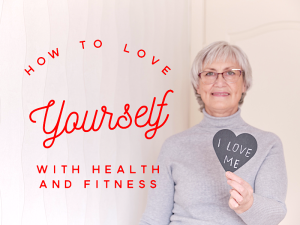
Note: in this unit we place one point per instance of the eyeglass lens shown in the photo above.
(230, 76)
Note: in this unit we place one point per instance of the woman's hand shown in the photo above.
(241, 198)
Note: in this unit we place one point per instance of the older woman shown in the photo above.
(222, 170)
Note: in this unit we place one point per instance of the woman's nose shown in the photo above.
(220, 81)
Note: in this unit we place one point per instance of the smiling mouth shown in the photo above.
(220, 93)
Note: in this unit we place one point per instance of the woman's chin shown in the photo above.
(219, 102)
(219, 105)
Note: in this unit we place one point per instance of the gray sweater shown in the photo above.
(191, 187)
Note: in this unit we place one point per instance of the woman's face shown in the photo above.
(221, 105)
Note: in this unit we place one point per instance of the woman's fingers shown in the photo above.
(232, 176)
(232, 203)
(238, 187)
(241, 196)
(237, 197)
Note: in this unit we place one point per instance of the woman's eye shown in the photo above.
(210, 74)
(230, 73)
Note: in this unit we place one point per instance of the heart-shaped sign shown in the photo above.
(234, 151)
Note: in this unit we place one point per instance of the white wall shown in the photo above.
(269, 32)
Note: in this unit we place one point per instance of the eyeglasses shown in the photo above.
(230, 76)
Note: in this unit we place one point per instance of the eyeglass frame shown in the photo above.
(241, 72)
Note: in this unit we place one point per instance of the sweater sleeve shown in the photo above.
(270, 190)
(160, 200)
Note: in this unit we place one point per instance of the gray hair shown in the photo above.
(220, 50)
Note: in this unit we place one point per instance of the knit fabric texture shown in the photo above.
(191, 186)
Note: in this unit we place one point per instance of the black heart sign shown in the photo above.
(234, 151)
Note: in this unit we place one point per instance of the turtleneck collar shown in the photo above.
(234, 120)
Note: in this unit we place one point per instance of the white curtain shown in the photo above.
(87, 79)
